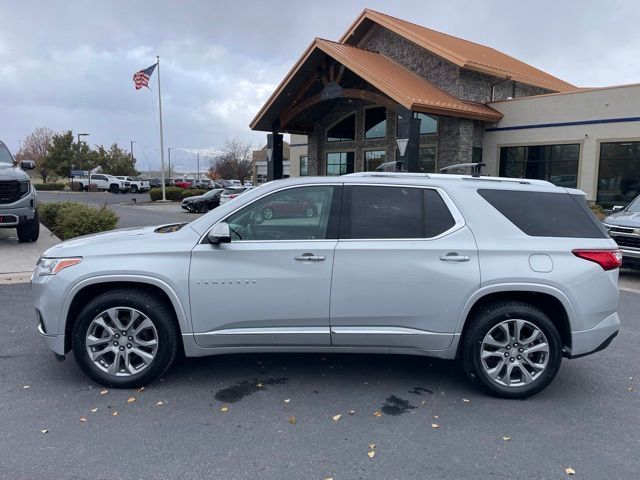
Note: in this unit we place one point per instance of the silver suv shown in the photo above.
(508, 275)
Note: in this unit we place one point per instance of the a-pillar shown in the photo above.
(274, 159)
(409, 129)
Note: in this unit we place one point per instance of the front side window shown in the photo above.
(302, 213)
(304, 165)
(375, 122)
(619, 173)
(339, 163)
(344, 130)
(557, 164)
(373, 159)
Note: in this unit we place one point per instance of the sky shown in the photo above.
(68, 65)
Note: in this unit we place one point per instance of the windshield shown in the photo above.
(6, 160)
(634, 207)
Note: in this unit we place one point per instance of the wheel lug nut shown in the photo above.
(515, 345)
(124, 333)
(116, 336)
(511, 359)
(122, 348)
(115, 344)
(130, 338)
(521, 350)
(128, 345)
(506, 354)
(519, 357)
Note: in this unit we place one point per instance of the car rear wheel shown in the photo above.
(113, 188)
(125, 338)
(202, 208)
(511, 349)
(134, 189)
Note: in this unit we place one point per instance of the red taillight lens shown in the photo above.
(607, 259)
(233, 196)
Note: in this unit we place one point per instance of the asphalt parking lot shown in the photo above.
(134, 210)
(270, 416)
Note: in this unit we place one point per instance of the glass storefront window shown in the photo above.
(619, 173)
(428, 124)
(373, 159)
(304, 165)
(339, 163)
(556, 163)
(375, 122)
(343, 131)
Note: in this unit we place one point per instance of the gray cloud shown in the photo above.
(69, 64)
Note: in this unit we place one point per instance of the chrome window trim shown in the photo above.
(383, 331)
(453, 209)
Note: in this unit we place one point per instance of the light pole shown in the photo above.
(170, 148)
(198, 166)
(79, 150)
(131, 149)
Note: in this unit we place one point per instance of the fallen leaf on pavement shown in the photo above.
(131, 399)
(141, 389)
(436, 416)
(329, 478)
(44, 431)
(292, 420)
(159, 403)
(631, 389)
(377, 414)
(259, 385)
(506, 439)
(224, 409)
(466, 400)
(352, 412)
(25, 386)
(115, 413)
(336, 417)
(434, 425)
(94, 410)
(104, 392)
(372, 446)
(570, 471)
(82, 420)
(287, 400)
(371, 454)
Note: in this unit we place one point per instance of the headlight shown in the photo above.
(51, 266)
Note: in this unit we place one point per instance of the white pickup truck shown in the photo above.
(103, 182)
(137, 185)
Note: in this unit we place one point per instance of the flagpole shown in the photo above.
(164, 196)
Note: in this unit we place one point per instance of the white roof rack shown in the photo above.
(388, 174)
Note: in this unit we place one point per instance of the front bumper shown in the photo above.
(49, 293)
(14, 216)
(595, 339)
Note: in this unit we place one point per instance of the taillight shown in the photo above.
(607, 259)
(233, 196)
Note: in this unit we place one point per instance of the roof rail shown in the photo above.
(476, 168)
(388, 174)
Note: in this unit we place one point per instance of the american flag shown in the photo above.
(141, 78)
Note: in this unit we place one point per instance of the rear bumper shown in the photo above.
(595, 339)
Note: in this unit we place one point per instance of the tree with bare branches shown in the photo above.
(35, 147)
(233, 161)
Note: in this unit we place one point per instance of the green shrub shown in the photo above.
(72, 219)
(175, 194)
(48, 186)
(598, 210)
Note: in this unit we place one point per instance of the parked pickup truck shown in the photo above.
(623, 226)
(18, 208)
(137, 184)
(103, 182)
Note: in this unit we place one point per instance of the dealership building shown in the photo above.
(390, 90)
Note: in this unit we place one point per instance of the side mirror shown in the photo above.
(220, 233)
(27, 164)
(618, 208)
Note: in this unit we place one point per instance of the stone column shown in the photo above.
(409, 128)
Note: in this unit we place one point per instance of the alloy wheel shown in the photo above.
(514, 353)
(122, 341)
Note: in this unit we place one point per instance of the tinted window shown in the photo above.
(383, 212)
(542, 214)
(375, 122)
(438, 218)
(619, 173)
(343, 130)
(294, 214)
(555, 163)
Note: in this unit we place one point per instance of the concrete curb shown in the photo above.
(19, 259)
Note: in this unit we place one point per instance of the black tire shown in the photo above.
(202, 208)
(113, 188)
(134, 189)
(159, 313)
(30, 231)
(86, 189)
(488, 317)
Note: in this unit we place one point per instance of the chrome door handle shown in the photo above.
(454, 257)
(310, 257)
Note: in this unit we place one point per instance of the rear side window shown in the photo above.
(373, 212)
(543, 214)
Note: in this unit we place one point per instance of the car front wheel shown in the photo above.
(511, 349)
(125, 338)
